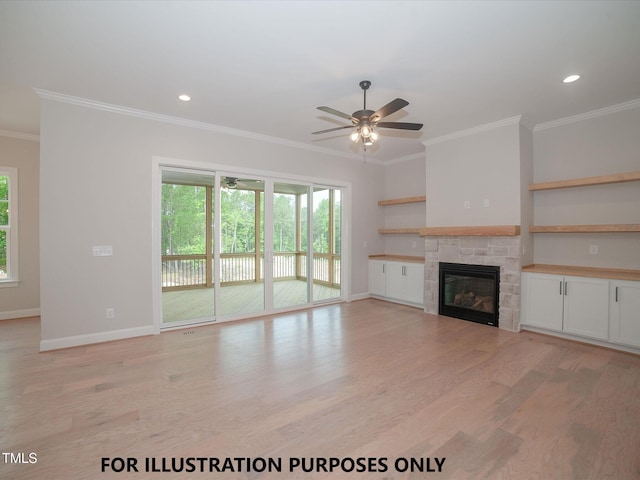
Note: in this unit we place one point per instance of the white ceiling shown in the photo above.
(263, 67)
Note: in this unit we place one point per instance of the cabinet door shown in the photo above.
(395, 280)
(586, 307)
(405, 282)
(414, 282)
(625, 313)
(377, 281)
(542, 300)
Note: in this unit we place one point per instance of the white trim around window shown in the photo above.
(11, 229)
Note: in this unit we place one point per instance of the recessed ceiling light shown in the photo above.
(184, 97)
(571, 78)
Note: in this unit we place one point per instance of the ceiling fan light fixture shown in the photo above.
(355, 136)
(374, 135)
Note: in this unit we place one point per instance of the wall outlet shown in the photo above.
(467, 204)
(485, 203)
(593, 249)
(110, 313)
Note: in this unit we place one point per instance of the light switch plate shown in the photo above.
(102, 251)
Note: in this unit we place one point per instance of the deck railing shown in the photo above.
(189, 271)
(183, 271)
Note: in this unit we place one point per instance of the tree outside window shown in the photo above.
(8, 224)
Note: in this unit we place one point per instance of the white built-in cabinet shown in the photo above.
(583, 302)
(586, 307)
(542, 301)
(377, 279)
(624, 314)
(399, 281)
(603, 309)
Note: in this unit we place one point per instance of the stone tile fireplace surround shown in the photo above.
(502, 251)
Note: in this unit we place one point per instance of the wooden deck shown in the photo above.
(366, 379)
(237, 299)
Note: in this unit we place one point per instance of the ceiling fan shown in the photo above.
(365, 122)
(242, 183)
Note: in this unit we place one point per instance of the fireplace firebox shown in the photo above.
(469, 292)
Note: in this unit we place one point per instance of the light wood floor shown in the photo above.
(237, 299)
(366, 379)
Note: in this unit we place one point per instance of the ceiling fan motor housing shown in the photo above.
(362, 115)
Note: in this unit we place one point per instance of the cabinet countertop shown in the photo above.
(596, 272)
(397, 258)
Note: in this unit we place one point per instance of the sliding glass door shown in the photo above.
(187, 246)
(290, 245)
(241, 245)
(327, 228)
(218, 262)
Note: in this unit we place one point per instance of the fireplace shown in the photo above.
(469, 292)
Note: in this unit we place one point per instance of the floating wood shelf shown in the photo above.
(611, 273)
(398, 201)
(488, 231)
(397, 258)
(581, 182)
(402, 231)
(584, 228)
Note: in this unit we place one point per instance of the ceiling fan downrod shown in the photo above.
(364, 85)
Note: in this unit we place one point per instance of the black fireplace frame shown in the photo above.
(479, 271)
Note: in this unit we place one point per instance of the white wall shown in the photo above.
(23, 300)
(404, 179)
(474, 168)
(526, 197)
(96, 170)
(596, 146)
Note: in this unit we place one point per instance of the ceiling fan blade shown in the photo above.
(399, 125)
(389, 108)
(333, 111)
(332, 129)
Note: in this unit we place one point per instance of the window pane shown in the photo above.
(183, 219)
(238, 223)
(4, 200)
(3, 255)
(337, 222)
(320, 220)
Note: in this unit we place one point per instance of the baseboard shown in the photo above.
(360, 296)
(78, 340)
(399, 302)
(29, 312)
(576, 338)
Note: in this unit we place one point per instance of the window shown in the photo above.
(8, 226)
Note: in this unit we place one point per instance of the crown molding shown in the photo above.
(183, 122)
(527, 123)
(406, 158)
(475, 130)
(620, 107)
(32, 137)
